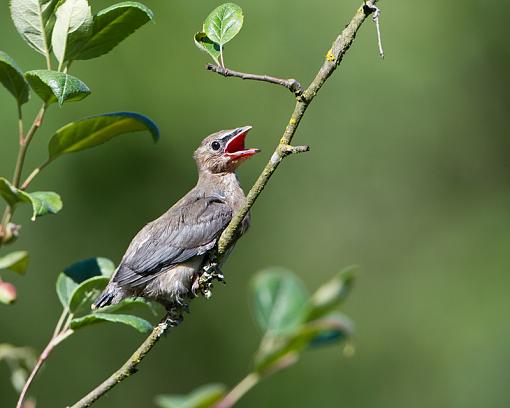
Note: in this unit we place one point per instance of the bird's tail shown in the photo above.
(111, 295)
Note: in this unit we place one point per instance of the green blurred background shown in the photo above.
(408, 176)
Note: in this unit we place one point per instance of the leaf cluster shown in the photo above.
(68, 31)
(220, 26)
(81, 283)
(291, 320)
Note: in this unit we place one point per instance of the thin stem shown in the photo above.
(20, 125)
(131, 365)
(48, 60)
(222, 62)
(18, 170)
(59, 335)
(236, 393)
(35, 370)
(291, 84)
(32, 175)
(60, 322)
(25, 144)
(375, 18)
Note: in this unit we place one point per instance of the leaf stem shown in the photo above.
(20, 125)
(48, 60)
(236, 393)
(59, 335)
(222, 62)
(60, 322)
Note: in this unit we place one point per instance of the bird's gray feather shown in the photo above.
(188, 229)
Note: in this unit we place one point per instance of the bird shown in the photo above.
(165, 258)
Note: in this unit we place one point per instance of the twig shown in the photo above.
(229, 236)
(251, 380)
(236, 393)
(21, 133)
(59, 335)
(375, 18)
(291, 84)
(32, 175)
(333, 58)
(24, 142)
(131, 365)
(24, 145)
(285, 150)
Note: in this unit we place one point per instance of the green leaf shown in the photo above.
(12, 78)
(34, 22)
(224, 23)
(279, 299)
(93, 131)
(11, 194)
(203, 42)
(330, 329)
(16, 261)
(79, 272)
(136, 322)
(332, 293)
(65, 287)
(111, 26)
(85, 293)
(87, 268)
(43, 202)
(7, 293)
(54, 86)
(202, 397)
(72, 28)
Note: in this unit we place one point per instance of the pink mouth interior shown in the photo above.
(235, 146)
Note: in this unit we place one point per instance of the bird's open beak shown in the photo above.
(234, 149)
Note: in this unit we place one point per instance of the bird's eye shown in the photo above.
(215, 145)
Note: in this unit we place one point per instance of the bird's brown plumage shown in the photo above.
(165, 256)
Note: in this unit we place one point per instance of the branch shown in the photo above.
(131, 365)
(333, 58)
(291, 84)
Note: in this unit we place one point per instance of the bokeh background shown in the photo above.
(408, 176)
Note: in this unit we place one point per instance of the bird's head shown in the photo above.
(223, 151)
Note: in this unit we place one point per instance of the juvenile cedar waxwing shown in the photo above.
(165, 257)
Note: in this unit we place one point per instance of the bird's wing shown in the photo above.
(188, 229)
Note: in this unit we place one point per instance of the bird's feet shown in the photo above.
(174, 316)
(203, 283)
